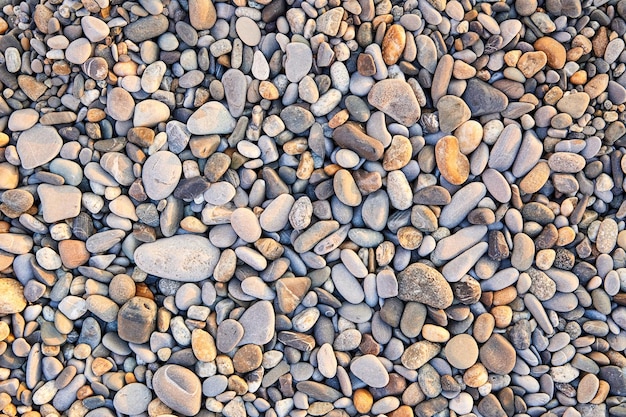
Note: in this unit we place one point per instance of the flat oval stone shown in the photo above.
(120, 104)
(258, 323)
(161, 173)
(498, 355)
(246, 224)
(453, 165)
(461, 351)
(132, 399)
(38, 145)
(370, 370)
(248, 31)
(178, 388)
(185, 258)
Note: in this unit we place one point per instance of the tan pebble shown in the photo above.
(502, 315)
(362, 400)
(339, 118)
(142, 290)
(409, 237)
(73, 253)
(398, 154)
(545, 258)
(203, 345)
(454, 166)
(462, 70)
(553, 95)
(574, 54)
(393, 44)
(469, 135)
(193, 224)
(402, 411)
(483, 327)
(566, 235)
(436, 334)
(84, 392)
(535, 179)
(101, 366)
(504, 296)
(511, 57)
(553, 49)
(268, 91)
(587, 388)
(476, 376)
(578, 78)
(531, 63)
(247, 358)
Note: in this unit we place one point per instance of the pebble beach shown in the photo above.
(294, 208)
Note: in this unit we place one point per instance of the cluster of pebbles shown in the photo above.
(320, 207)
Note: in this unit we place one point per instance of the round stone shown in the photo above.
(178, 388)
(498, 355)
(132, 399)
(461, 351)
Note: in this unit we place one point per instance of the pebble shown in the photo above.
(178, 388)
(396, 99)
(181, 258)
(421, 283)
(38, 145)
(13, 300)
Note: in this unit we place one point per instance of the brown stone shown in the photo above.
(362, 400)
(247, 358)
(531, 63)
(73, 253)
(454, 166)
(554, 50)
(365, 65)
(498, 355)
(350, 136)
(393, 44)
(141, 136)
(203, 345)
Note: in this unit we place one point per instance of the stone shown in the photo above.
(185, 258)
(370, 370)
(136, 320)
(421, 283)
(120, 104)
(461, 351)
(298, 62)
(59, 202)
(574, 104)
(149, 113)
(132, 399)
(350, 136)
(483, 99)
(211, 118)
(453, 165)
(178, 388)
(247, 358)
(395, 98)
(419, 353)
(94, 29)
(498, 355)
(330, 21)
(161, 174)
(148, 27)
(453, 112)
(554, 51)
(12, 300)
(258, 324)
(393, 44)
(38, 146)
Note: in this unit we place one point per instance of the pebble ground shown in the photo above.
(313, 208)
